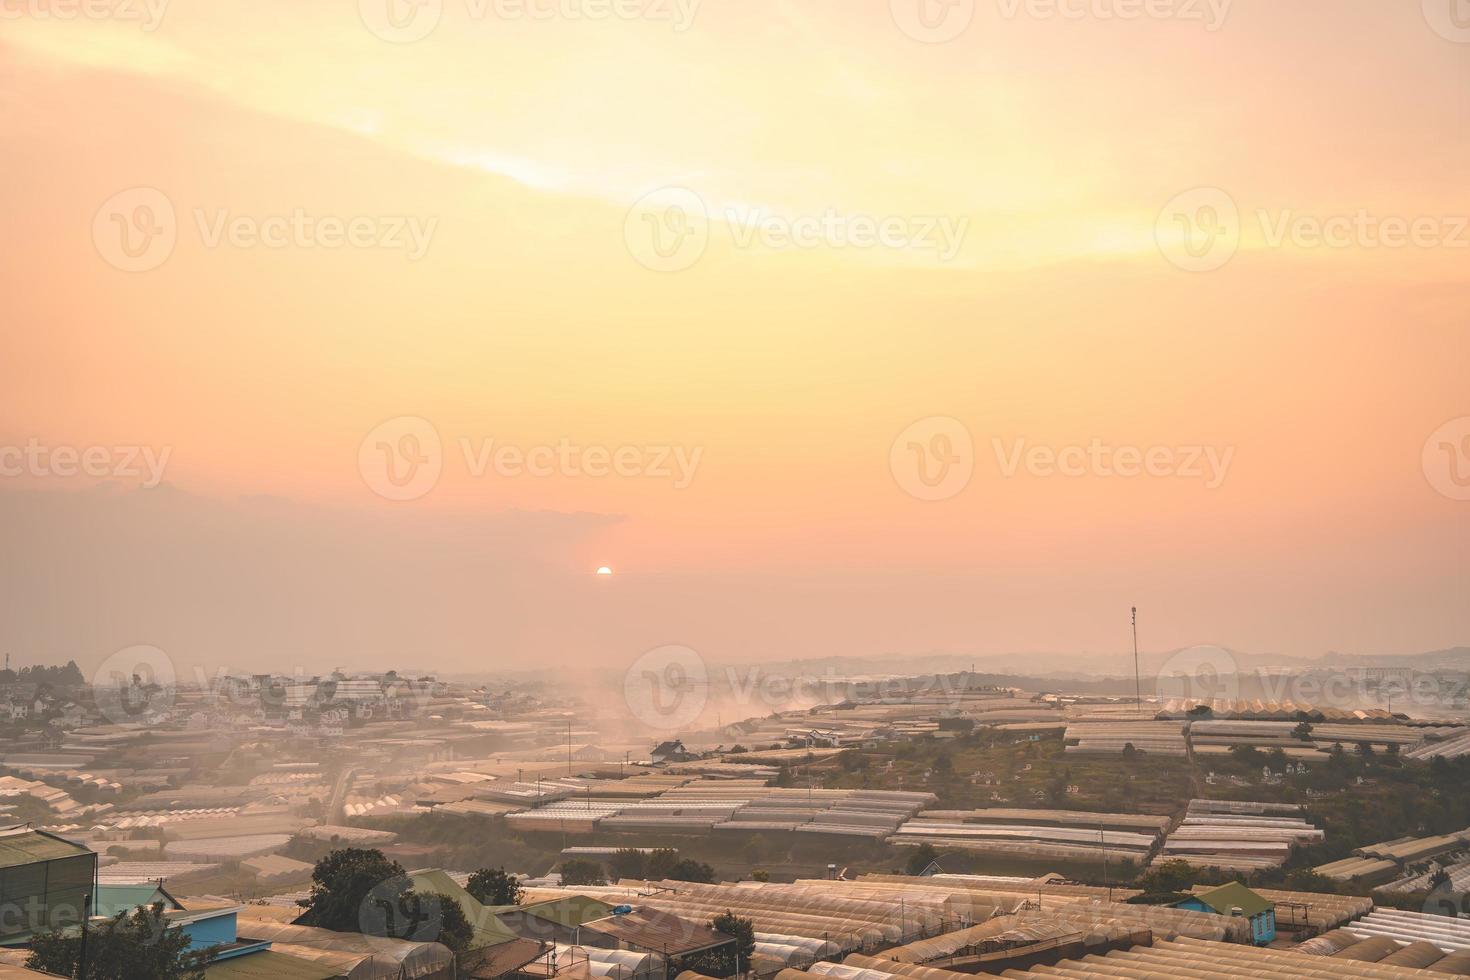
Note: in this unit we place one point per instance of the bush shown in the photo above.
(140, 946)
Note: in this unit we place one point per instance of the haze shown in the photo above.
(784, 375)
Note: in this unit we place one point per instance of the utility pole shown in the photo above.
(569, 746)
(86, 917)
(1137, 685)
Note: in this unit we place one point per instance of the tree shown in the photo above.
(1130, 751)
(691, 870)
(495, 886)
(729, 960)
(1167, 877)
(1303, 731)
(1201, 711)
(137, 946)
(342, 884)
(661, 863)
(582, 872)
(454, 929)
(923, 856)
(628, 862)
(742, 931)
(1247, 755)
(737, 749)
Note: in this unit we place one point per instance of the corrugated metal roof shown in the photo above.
(269, 965)
(21, 847)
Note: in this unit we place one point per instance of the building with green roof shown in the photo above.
(489, 930)
(1234, 899)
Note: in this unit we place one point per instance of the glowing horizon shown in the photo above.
(730, 295)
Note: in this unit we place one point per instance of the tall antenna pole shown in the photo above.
(1137, 685)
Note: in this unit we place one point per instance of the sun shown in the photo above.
(604, 570)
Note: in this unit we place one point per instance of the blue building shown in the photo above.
(1237, 900)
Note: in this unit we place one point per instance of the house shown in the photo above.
(670, 751)
(112, 899)
(1234, 899)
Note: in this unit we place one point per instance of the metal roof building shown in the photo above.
(44, 880)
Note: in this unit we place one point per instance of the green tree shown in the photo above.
(495, 886)
(742, 930)
(1246, 755)
(137, 946)
(1167, 876)
(582, 872)
(452, 928)
(729, 960)
(1303, 731)
(661, 863)
(691, 870)
(349, 884)
(628, 862)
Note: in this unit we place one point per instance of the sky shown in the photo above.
(362, 334)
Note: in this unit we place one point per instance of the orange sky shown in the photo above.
(1066, 311)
